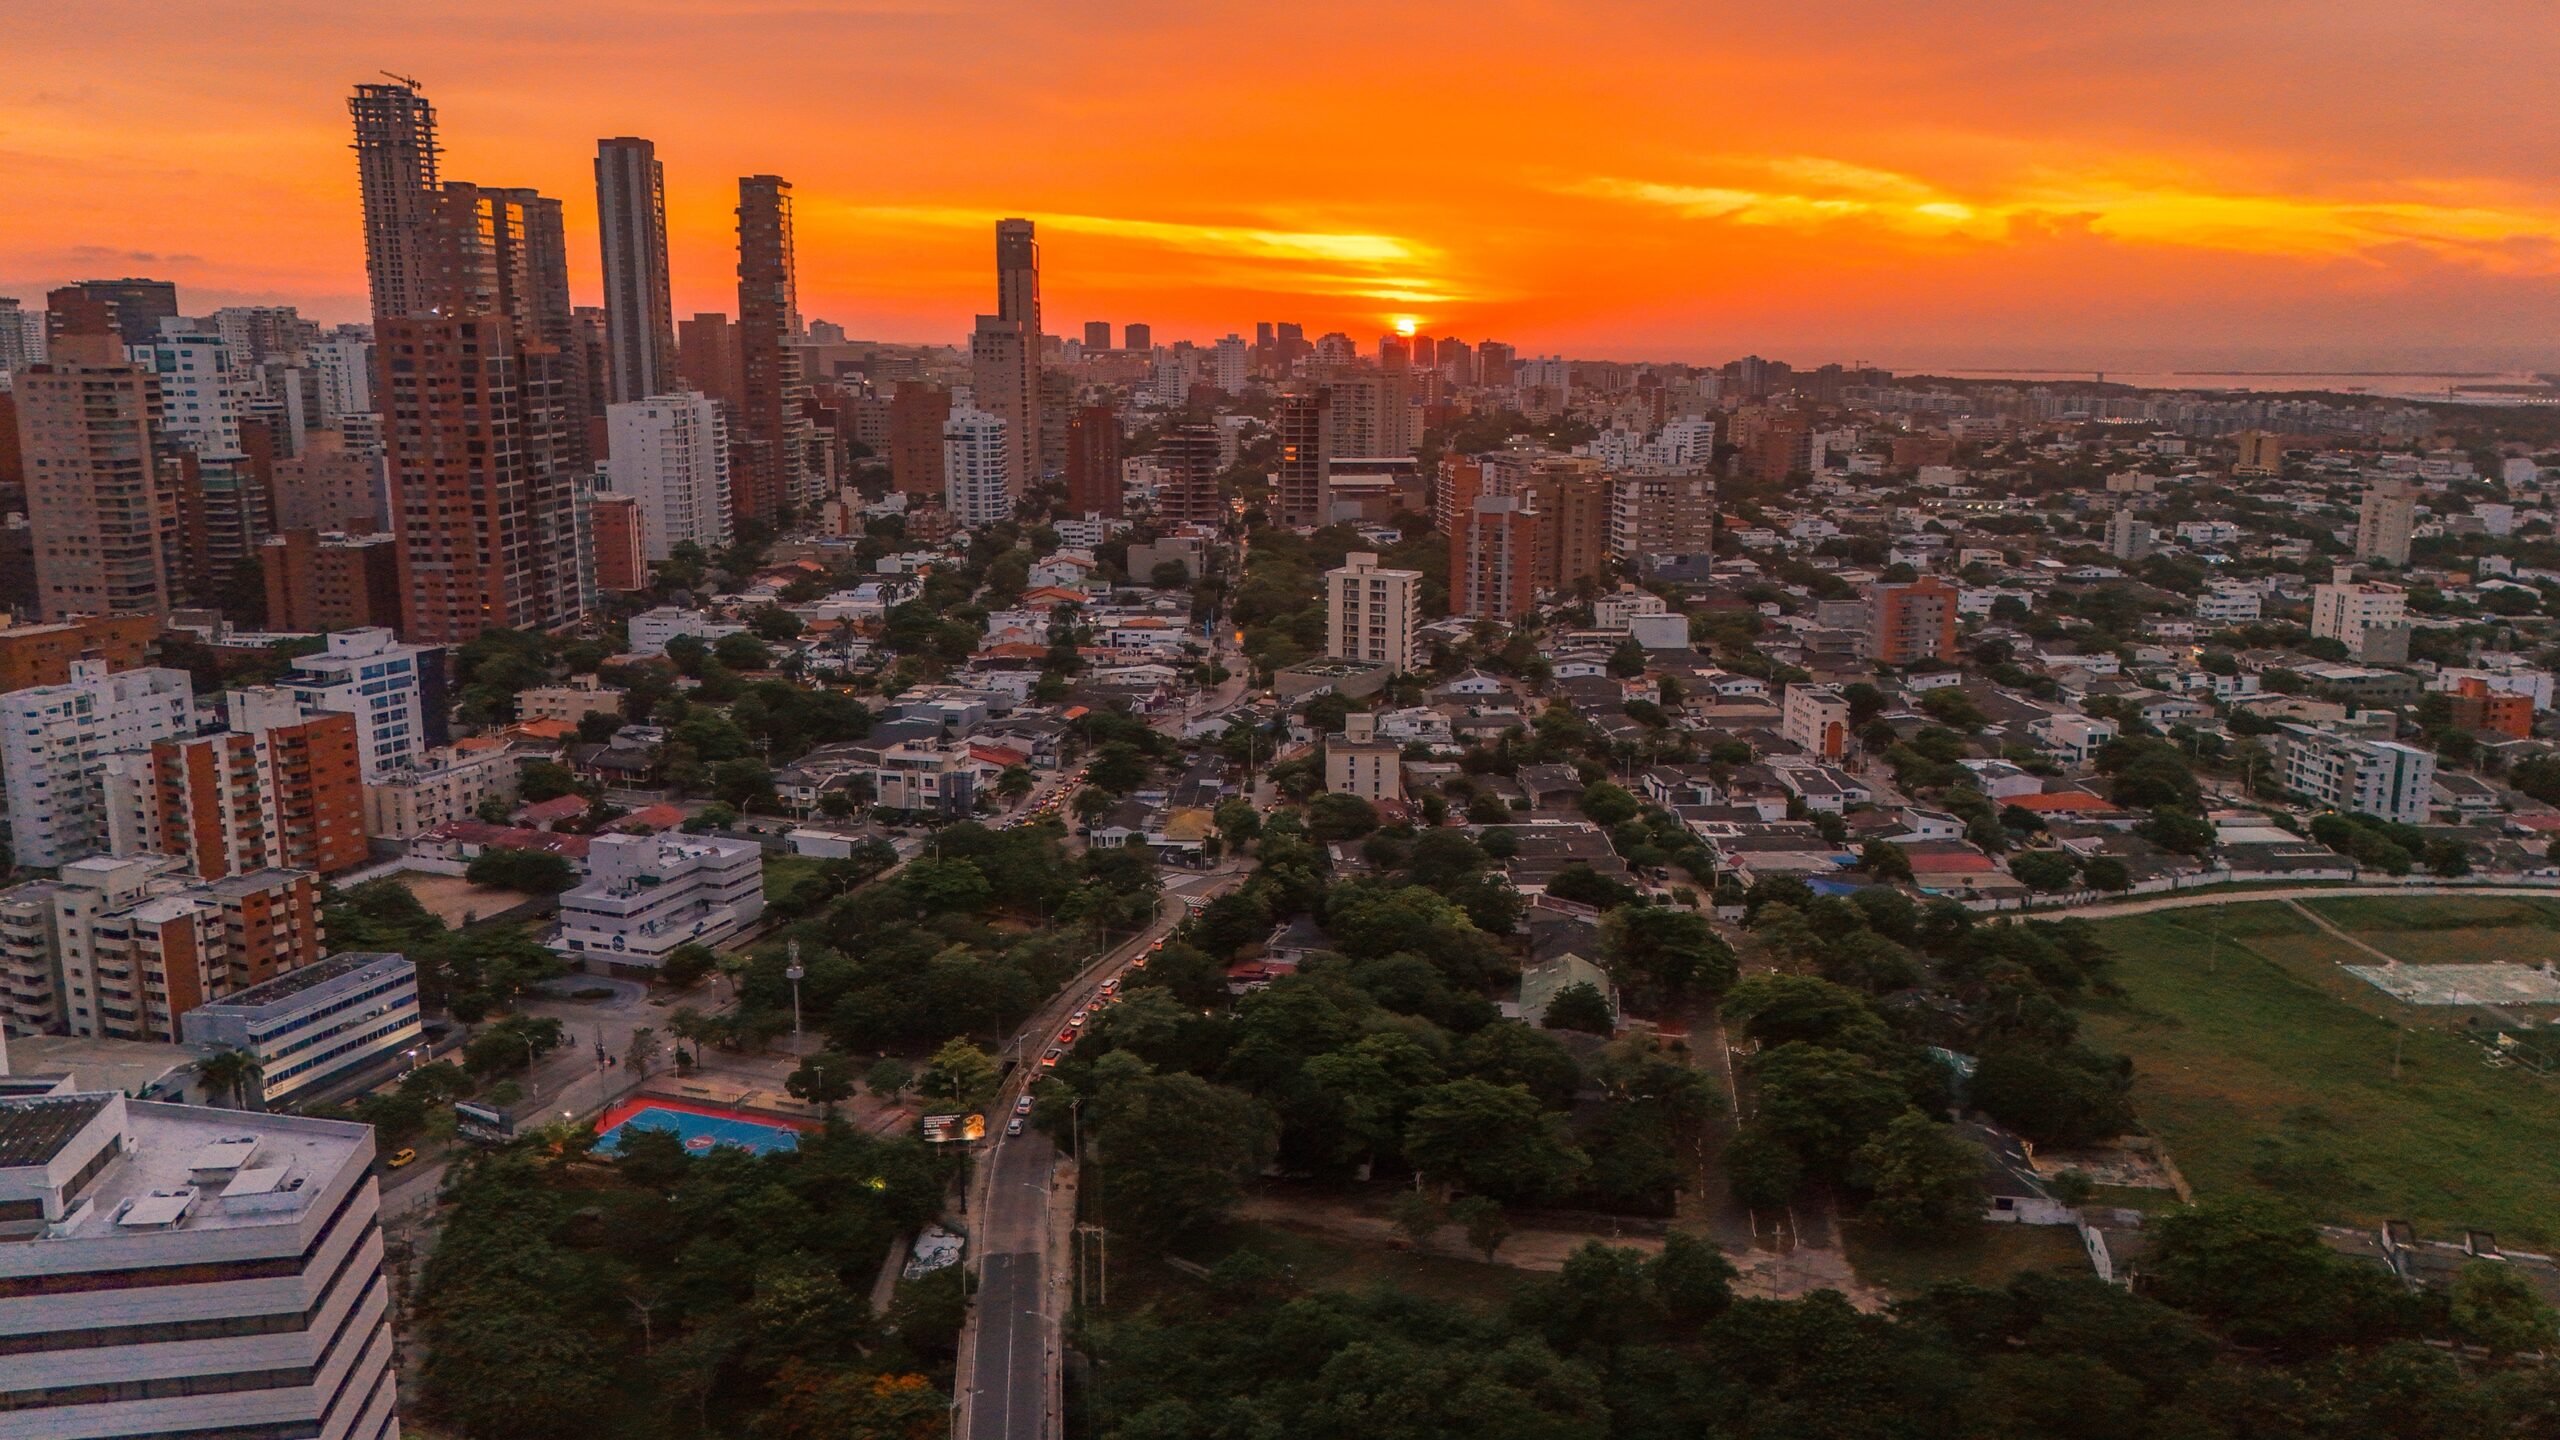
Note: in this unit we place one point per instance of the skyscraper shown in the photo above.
(1188, 458)
(138, 306)
(1097, 335)
(631, 223)
(1140, 338)
(917, 410)
(102, 489)
(1303, 424)
(1093, 462)
(1005, 356)
(772, 438)
(707, 358)
(671, 454)
(483, 434)
(977, 467)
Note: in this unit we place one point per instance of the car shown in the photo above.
(1013, 1126)
(1052, 1057)
(1138, 964)
(1067, 1036)
(1022, 1106)
(1077, 1018)
(402, 1156)
(1111, 984)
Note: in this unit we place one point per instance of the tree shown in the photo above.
(2065, 1098)
(2178, 830)
(642, 1052)
(1663, 953)
(960, 1076)
(2262, 1277)
(1885, 861)
(1581, 1006)
(1824, 1103)
(1482, 1217)
(1015, 783)
(233, 1075)
(535, 872)
(1494, 1139)
(1921, 1177)
(688, 965)
(1340, 816)
(2496, 1308)
(1761, 1168)
(543, 780)
(1418, 1216)
(1175, 1151)
(744, 784)
(824, 1079)
(887, 1077)
(1608, 803)
(2045, 870)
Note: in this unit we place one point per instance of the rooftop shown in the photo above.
(33, 1131)
(208, 1169)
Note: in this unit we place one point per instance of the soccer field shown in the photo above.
(2268, 1070)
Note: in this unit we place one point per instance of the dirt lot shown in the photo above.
(457, 901)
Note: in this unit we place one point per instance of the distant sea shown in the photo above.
(2469, 387)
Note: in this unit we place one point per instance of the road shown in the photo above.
(1009, 1383)
(2105, 910)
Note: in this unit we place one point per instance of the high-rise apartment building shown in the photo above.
(772, 441)
(32, 655)
(621, 564)
(631, 224)
(2369, 618)
(1301, 423)
(121, 949)
(1093, 462)
(1018, 302)
(330, 580)
(1373, 613)
(103, 492)
(1187, 464)
(1002, 371)
(1661, 523)
(917, 413)
(670, 453)
(201, 1271)
(2381, 778)
(134, 307)
(707, 359)
(1097, 336)
(55, 744)
(332, 485)
(1373, 414)
(1231, 361)
(276, 790)
(1911, 620)
(1138, 338)
(1575, 505)
(1454, 488)
(977, 467)
(2384, 520)
(21, 337)
(395, 691)
(486, 438)
(1494, 559)
(206, 389)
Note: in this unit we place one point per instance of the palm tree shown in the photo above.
(231, 1073)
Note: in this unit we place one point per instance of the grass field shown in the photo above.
(781, 872)
(2267, 1070)
(1976, 1254)
(2449, 929)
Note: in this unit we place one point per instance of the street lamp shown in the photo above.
(793, 973)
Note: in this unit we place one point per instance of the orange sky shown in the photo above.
(2268, 182)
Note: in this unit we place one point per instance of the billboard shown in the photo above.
(946, 1129)
(482, 1122)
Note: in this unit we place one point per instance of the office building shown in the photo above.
(1301, 423)
(647, 894)
(191, 1272)
(670, 454)
(102, 491)
(32, 655)
(1493, 559)
(2384, 520)
(1815, 720)
(55, 744)
(122, 949)
(331, 581)
(1911, 620)
(1359, 763)
(1663, 524)
(2381, 778)
(1187, 466)
(1097, 336)
(772, 441)
(639, 317)
(977, 467)
(275, 790)
(316, 1025)
(395, 691)
(1373, 613)
(1138, 339)
(1093, 462)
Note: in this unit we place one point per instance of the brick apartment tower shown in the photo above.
(1188, 491)
(1005, 358)
(1303, 426)
(639, 317)
(1911, 620)
(483, 433)
(1494, 560)
(1093, 462)
(917, 412)
(103, 494)
(771, 440)
(707, 359)
(276, 791)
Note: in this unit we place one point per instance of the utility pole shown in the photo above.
(793, 973)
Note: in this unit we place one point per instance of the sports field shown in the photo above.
(2267, 1069)
(698, 1128)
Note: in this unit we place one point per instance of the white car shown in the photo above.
(1022, 1106)
(1013, 1126)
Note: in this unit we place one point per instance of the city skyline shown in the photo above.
(1912, 188)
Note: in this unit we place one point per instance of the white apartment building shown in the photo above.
(1231, 357)
(2384, 522)
(2382, 778)
(344, 364)
(55, 742)
(1362, 764)
(2226, 603)
(647, 894)
(2073, 737)
(395, 691)
(2344, 610)
(317, 1023)
(184, 1271)
(977, 461)
(650, 630)
(123, 949)
(1815, 719)
(1373, 613)
(1619, 609)
(671, 452)
(447, 785)
(205, 386)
